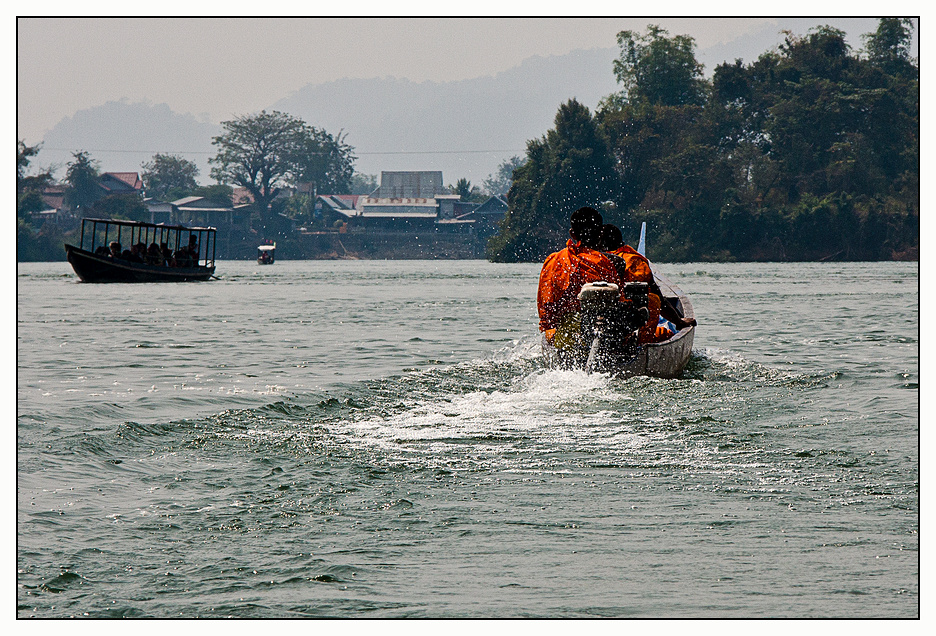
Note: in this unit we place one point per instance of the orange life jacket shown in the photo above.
(561, 279)
(637, 269)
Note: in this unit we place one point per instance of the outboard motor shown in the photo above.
(609, 326)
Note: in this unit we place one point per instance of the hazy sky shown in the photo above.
(216, 68)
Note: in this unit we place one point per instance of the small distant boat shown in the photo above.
(109, 252)
(266, 254)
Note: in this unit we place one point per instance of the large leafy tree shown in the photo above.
(269, 151)
(81, 178)
(325, 161)
(658, 69)
(259, 152)
(568, 168)
(29, 187)
(169, 176)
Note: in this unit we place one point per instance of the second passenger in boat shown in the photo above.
(632, 266)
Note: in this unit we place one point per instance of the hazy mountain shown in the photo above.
(463, 128)
(394, 124)
(122, 136)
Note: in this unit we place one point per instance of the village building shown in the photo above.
(487, 216)
(205, 212)
(121, 183)
(414, 201)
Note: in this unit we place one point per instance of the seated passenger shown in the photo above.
(137, 252)
(166, 253)
(181, 258)
(115, 249)
(634, 266)
(153, 255)
(566, 271)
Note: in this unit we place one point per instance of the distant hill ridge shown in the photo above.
(463, 128)
(380, 115)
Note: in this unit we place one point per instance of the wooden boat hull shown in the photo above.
(91, 268)
(665, 359)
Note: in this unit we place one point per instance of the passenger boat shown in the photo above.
(266, 254)
(599, 352)
(186, 254)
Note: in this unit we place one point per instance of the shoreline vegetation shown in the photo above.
(811, 153)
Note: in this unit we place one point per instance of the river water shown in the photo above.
(380, 439)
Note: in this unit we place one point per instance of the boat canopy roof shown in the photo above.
(162, 226)
(266, 248)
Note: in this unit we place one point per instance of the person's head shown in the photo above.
(611, 238)
(585, 226)
(115, 247)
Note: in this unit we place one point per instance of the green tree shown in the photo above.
(568, 168)
(81, 178)
(269, 151)
(300, 207)
(259, 152)
(29, 188)
(325, 161)
(466, 191)
(499, 182)
(169, 177)
(363, 183)
(889, 46)
(810, 134)
(809, 152)
(120, 206)
(658, 69)
(23, 153)
(219, 193)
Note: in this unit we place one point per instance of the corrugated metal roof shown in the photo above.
(397, 214)
(185, 200)
(132, 179)
(458, 221)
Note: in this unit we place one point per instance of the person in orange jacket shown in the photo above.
(566, 271)
(632, 266)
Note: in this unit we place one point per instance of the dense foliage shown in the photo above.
(29, 187)
(811, 152)
(267, 151)
(169, 177)
(81, 178)
(37, 239)
(569, 167)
